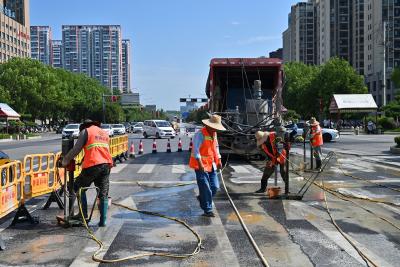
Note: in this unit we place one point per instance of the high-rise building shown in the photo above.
(14, 29)
(364, 32)
(382, 19)
(126, 65)
(41, 38)
(95, 50)
(57, 54)
(301, 34)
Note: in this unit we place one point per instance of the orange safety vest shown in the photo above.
(97, 148)
(316, 132)
(208, 152)
(273, 155)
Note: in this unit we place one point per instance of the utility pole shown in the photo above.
(384, 64)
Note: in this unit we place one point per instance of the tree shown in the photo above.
(309, 88)
(396, 77)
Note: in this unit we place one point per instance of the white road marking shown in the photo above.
(239, 169)
(106, 234)
(148, 166)
(179, 168)
(118, 168)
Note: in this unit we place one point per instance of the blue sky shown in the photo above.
(173, 41)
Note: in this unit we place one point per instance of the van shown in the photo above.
(158, 129)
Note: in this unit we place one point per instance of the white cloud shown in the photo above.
(258, 39)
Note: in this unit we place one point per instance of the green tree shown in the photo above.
(306, 86)
(396, 77)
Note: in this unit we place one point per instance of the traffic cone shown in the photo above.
(180, 145)
(132, 151)
(154, 147)
(190, 145)
(168, 147)
(140, 147)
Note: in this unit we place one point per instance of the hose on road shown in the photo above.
(96, 257)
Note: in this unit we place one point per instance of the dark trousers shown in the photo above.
(98, 174)
(268, 171)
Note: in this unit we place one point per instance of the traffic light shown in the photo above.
(114, 98)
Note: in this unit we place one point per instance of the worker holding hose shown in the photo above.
(96, 165)
(316, 141)
(206, 160)
(268, 142)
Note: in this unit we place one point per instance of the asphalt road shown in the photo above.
(289, 233)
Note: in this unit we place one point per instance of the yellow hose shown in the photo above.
(96, 258)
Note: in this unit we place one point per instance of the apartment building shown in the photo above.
(41, 42)
(382, 23)
(57, 54)
(363, 32)
(95, 50)
(301, 33)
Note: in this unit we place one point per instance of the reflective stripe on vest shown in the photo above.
(96, 148)
(208, 152)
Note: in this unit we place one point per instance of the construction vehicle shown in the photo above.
(247, 93)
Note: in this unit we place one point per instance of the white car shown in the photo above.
(328, 135)
(158, 129)
(108, 129)
(118, 129)
(71, 130)
(137, 127)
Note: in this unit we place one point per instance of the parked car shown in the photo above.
(118, 129)
(71, 130)
(328, 135)
(137, 127)
(108, 129)
(158, 129)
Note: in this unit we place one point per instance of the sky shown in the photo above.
(173, 41)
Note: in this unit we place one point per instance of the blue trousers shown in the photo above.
(208, 184)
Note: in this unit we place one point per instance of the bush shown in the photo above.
(4, 136)
(397, 140)
(387, 123)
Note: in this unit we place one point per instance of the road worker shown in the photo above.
(206, 160)
(96, 164)
(316, 141)
(268, 141)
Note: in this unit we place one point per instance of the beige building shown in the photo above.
(14, 29)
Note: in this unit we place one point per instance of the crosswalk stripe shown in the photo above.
(178, 168)
(118, 168)
(148, 166)
(239, 169)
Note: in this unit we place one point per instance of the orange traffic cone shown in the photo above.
(132, 151)
(141, 147)
(190, 145)
(168, 147)
(154, 147)
(180, 145)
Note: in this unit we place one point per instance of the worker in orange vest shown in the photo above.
(96, 165)
(268, 143)
(316, 141)
(205, 160)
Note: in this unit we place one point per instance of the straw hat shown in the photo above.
(214, 122)
(261, 137)
(313, 121)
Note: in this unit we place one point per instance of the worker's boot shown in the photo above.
(83, 202)
(319, 165)
(103, 212)
(263, 188)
